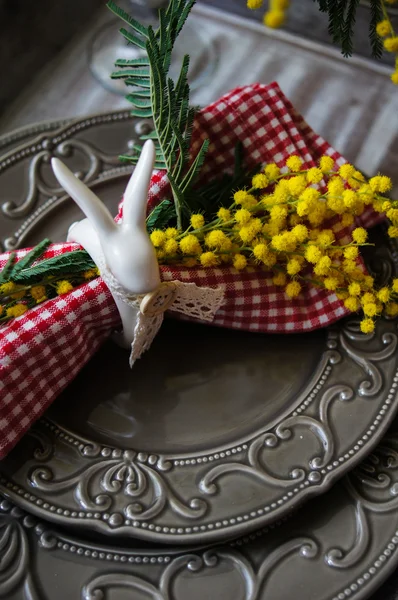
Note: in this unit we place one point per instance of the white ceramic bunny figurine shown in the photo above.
(124, 249)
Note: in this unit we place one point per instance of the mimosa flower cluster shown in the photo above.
(16, 299)
(298, 226)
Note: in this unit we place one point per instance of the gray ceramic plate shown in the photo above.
(339, 547)
(214, 432)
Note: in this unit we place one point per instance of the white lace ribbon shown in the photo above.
(200, 303)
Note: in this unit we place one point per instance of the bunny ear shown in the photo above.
(136, 194)
(96, 212)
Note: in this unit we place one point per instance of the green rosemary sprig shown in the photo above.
(31, 281)
(342, 14)
(164, 101)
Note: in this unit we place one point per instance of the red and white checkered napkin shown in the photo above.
(43, 350)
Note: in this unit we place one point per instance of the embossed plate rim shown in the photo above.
(374, 565)
(142, 461)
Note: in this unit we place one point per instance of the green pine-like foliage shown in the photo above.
(156, 96)
(342, 14)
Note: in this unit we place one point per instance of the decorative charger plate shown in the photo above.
(214, 432)
(340, 546)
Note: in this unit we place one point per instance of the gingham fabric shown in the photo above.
(43, 350)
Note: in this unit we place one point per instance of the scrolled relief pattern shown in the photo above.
(139, 478)
(373, 488)
(94, 166)
(15, 566)
(254, 579)
(351, 341)
(126, 487)
(36, 183)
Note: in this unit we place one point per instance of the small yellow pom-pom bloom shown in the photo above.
(347, 220)
(171, 247)
(392, 214)
(171, 232)
(366, 193)
(351, 253)
(293, 266)
(326, 164)
(310, 195)
(393, 232)
(63, 287)
(351, 304)
(303, 208)
(272, 171)
(254, 4)
(37, 291)
(383, 28)
(394, 77)
(360, 235)
(374, 183)
(391, 44)
(157, 238)
(282, 192)
(350, 198)
(297, 185)
(240, 196)
(368, 298)
(244, 199)
(278, 213)
(215, 238)
(246, 234)
(197, 221)
(260, 181)
(284, 242)
(369, 309)
(293, 289)
(279, 279)
(300, 232)
(322, 267)
(392, 309)
(395, 286)
(17, 310)
(354, 289)
(386, 206)
(313, 254)
(7, 288)
(367, 326)
(274, 18)
(346, 171)
(294, 163)
(208, 259)
(325, 238)
(261, 251)
(331, 283)
(239, 262)
(356, 180)
(190, 245)
(336, 205)
(90, 274)
(385, 184)
(383, 295)
(242, 216)
(336, 186)
(224, 214)
(314, 175)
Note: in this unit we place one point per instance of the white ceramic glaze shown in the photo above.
(124, 247)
